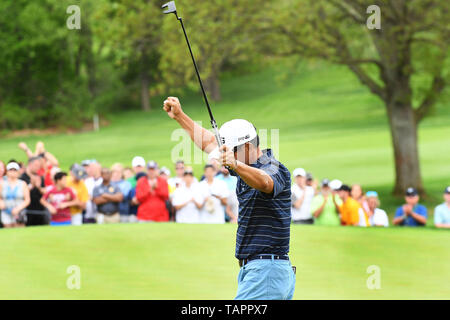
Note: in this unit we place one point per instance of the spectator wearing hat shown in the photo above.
(37, 214)
(311, 182)
(412, 213)
(58, 201)
(14, 197)
(94, 179)
(117, 179)
(377, 216)
(138, 165)
(323, 208)
(351, 211)
(442, 211)
(301, 195)
(75, 181)
(213, 199)
(107, 197)
(185, 199)
(152, 192)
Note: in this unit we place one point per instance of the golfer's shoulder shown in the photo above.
(273, 166)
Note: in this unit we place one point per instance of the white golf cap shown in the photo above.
(138, 162)
(165, 170)
(13, 165)
(299, 172)
(335, 184)
(237, 132)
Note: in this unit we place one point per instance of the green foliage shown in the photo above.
(127, 51)
(222, 34)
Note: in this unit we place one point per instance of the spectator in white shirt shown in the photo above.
(177, 181)
(93, 170)
(186, 199)
(302, 196)
(377, 216)
(214, 194)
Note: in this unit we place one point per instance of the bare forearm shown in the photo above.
(443, 225)
(299, 202)
(319, 210)
(50, 157)
(419, 218)
(203, 138)
(117, 197)
(255, 178)
(398, 220)
(99, 200)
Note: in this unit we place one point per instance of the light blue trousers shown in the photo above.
(266, 279)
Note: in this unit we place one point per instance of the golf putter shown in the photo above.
(171, 8)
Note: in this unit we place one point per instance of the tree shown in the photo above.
(394, 62)
(133, 33)
(222, 34)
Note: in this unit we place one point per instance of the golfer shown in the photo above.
(264, 193)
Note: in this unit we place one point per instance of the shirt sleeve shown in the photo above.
(278, 175)
(422, 210)
(384, 218)
(398, 212)
(73, 196)
(96, 193)
(315, 203)
(224, 192)
(438, 215)
(84, 195)
(46, 195)
(177, 198)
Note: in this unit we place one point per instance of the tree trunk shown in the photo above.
(406, 156)
(145, 94)
(212, 86)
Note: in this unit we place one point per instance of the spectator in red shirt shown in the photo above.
(59, 200)
(152, 192)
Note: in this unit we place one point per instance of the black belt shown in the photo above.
(243, 262)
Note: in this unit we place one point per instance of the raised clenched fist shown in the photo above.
(173, 107)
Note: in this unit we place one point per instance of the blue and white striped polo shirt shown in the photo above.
(264, 219)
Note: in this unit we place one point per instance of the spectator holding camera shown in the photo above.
(323, 208)
(302, 195)
(14, 197)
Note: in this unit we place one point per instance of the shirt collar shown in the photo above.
(263, 159)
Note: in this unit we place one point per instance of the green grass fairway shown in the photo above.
(170, 261)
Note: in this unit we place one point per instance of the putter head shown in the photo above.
(171, 8)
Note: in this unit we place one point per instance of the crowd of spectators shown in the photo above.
(40, 193)
(335, 203)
